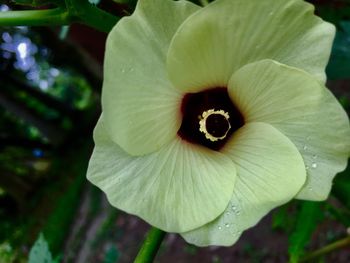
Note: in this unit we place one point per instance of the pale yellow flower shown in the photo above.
(214, 116)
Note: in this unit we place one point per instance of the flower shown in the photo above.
(214, 116)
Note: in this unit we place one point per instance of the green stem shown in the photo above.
(80, 11)
(150, 246)
(326, 249)
(50, 17)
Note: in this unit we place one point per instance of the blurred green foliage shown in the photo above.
(339, 65)
(56, 91)
(66, 203)
(112, 255)
(308, 217)
(341, 188)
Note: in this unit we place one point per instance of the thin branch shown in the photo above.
(150, 246)
(49, 17)
(326, 249)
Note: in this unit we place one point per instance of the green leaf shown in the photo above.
(339, 64)
(340, 214)
(282, 219)
(310, 214)
(341, 187)
(40, 252)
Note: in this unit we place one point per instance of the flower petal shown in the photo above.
(224, 36)
(307, 113)
(176, 189)
(270, 172)
(141, 106)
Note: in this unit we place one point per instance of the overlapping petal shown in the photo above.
(270, 171)
(306, 112)
(224, 36)
(141, 106)
(178, 188)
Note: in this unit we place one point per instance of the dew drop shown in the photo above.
(234, 208)
(227, 225)
(123, 70)
(310, 188)
(307, 167)
(314, 165)
(314, 156)
(238, 212)
(219, 227)
(304, 147)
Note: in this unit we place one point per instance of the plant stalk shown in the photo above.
(326, 249)
(150, 246)
(49, 17)
(79, 11)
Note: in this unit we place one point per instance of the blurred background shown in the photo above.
(50, 84)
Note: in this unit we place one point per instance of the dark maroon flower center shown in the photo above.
(209, 118)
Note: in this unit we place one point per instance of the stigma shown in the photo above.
(214, 124)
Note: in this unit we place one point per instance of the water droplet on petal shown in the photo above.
(219, 227)
(227, 225)
(304, 147)
(314, 156)
(307, 167)
(314, 165)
